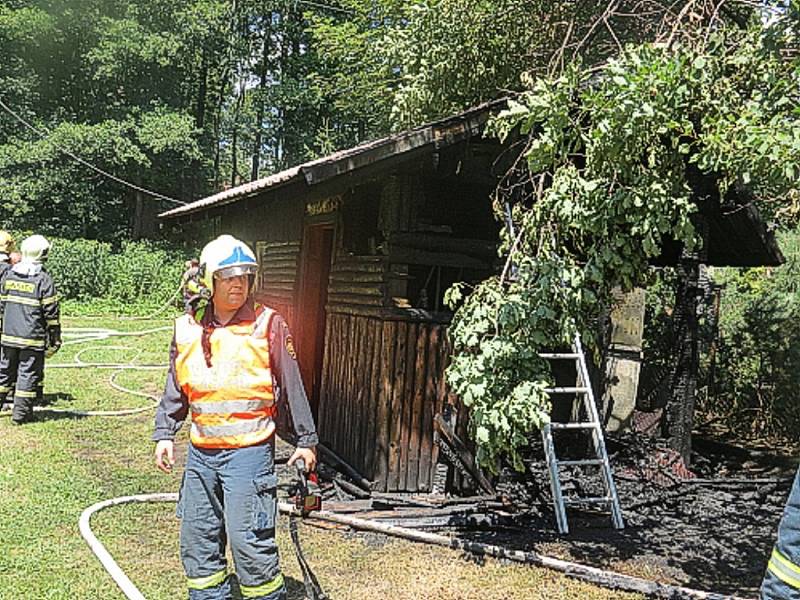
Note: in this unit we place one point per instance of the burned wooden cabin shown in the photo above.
(356, 251)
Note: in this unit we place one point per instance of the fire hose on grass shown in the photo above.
(607, 579)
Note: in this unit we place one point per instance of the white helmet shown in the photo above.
(34, 249)
(226, 257)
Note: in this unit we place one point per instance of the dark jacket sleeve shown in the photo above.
(51, 309)
(174, 406)
(290, 390)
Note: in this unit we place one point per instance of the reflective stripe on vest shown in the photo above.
(232, 402)
(784, 569)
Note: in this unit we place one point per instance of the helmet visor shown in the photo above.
(235, 271)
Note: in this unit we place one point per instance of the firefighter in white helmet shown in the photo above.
(232, 363)
(31, 327)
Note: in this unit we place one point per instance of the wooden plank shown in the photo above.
(324, 383)
(415, 432)
(338, 278)
(424, 478)
(327, 416)
(340, 391)
(398, 389)
(347, 386)
(408, 403)
(363, 378)
(357, 325)
(333, 413)
(356, 290)
(389, 329)
(352, 299)
(278, 263)
(441, 392)
(376, 353)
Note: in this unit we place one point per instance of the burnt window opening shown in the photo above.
(427, 284)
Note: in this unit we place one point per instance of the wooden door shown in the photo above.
(317, 254)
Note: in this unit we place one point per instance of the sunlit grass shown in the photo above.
(53, 468)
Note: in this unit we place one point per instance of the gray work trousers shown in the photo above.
(21, 370)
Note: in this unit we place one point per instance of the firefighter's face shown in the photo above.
(230, 293)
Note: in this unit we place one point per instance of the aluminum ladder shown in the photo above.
(584, 390)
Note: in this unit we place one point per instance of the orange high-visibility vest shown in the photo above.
(232, 402)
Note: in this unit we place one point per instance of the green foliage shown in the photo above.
(139, 274)
(753, 375)
(615, 158)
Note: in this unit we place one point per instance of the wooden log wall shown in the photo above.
(279, 265)
(382, 385)
(357, 281)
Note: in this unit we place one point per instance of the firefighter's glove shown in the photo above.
(53, 341)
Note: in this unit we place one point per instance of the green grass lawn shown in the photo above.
(53, 468)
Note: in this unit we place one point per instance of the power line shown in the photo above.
(43, 133)
(325, 6)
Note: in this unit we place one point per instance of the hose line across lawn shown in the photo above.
(607, 579)
(78, 335)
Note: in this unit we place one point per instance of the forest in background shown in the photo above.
(188, 97)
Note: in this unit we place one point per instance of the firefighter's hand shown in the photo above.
(165, 455)
(309, 455)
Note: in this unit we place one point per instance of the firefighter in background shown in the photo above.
(782, 579)
(31, 326)
(6, 252)
(232, 363)
(6, 261)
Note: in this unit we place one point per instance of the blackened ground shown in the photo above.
(712, 532)
(710, 527)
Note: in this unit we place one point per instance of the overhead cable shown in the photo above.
(325, 6)
(45, 133)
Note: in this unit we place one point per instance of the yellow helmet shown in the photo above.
(34, 249)
(6, 243)
(226, 257)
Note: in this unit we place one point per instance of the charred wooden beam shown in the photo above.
(338, 463)
(463, 455)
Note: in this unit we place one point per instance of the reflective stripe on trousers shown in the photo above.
(229, 495)
(782, 579)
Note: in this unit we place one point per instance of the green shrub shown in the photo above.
(80, 268)
(142, 273)
(753, 378)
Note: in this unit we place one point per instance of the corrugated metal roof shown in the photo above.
(439, 133)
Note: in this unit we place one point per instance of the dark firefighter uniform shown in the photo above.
(782, 579)
(236, 381)
(29, 310)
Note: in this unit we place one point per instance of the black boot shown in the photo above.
(23, 409)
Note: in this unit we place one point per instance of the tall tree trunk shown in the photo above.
(144, 217)
(235, 136)
(265, 48)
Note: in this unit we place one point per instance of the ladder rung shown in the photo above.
(586, 425)
(559, 356)
(575, 463)
(597, 500)
(567, 390)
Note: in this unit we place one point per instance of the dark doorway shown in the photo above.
(316, 267)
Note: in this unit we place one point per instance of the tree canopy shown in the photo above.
(606, 177)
